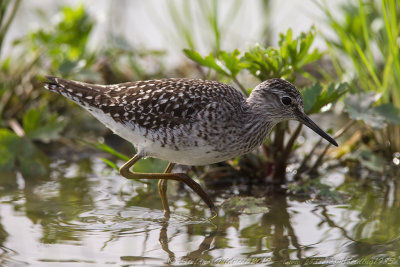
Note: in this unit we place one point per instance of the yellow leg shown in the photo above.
(125, 172)
(162, 188)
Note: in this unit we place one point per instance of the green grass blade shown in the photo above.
(365, 32)
(392, 32)
(367, 64)
(110, 163)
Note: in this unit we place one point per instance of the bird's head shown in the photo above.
(279, 100)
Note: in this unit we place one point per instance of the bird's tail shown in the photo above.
(79, 92)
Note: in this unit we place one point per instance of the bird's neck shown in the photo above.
(256, 125)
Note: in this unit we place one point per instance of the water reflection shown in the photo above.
(196, 256)
(75, 216)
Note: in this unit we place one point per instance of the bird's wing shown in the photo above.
(153, 103)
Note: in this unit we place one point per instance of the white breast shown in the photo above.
(196, 155)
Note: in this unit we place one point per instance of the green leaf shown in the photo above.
(362, 101)
(31, 161)
(265, 63)
(110, 163)
(232, 62)
(311, 57)
(368, 159)
(145, 165)
(359, 107)
(5, 65)
(150, 165)
(295, 52)
(30, 121)
(65, 42)
(194, 55)
(20, 153)
(316, 97)
(208, 61)
(389, 112)
(50, 131)
(287, 61)
(9, 146)
(40, 125)
(115, 167)
(106, 148)
(310, 96)
(68, 66)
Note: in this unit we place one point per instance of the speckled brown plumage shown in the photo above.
(187, 121)
(149, 104)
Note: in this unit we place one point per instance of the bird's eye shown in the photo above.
(286, 100)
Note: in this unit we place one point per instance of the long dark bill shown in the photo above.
(309, 123)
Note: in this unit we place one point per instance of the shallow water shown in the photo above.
(82, 216)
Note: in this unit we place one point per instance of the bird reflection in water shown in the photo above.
(192, 257)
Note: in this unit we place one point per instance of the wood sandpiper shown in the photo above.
(187, 121)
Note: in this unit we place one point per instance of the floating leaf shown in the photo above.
(245, 205)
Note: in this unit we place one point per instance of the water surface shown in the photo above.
(83, 216)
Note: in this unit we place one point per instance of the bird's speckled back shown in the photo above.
(162, 116)
(150, 104)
